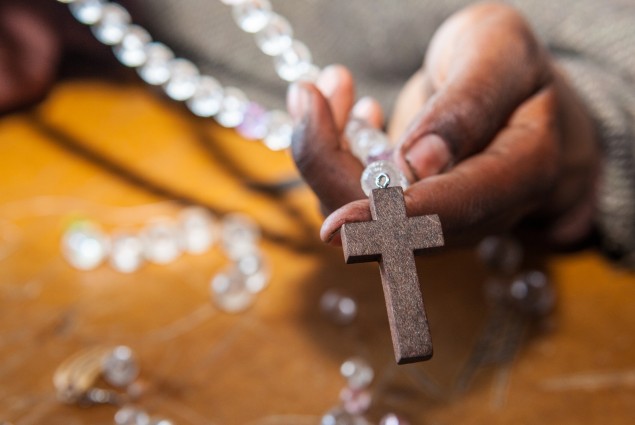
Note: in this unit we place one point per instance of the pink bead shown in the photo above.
(385, 155)
(355, 402)
(254, 125)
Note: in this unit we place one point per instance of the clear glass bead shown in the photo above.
(279, 130)
(97, 396)
(233, 108)
(353, 127)
(501, 254)
(368, 142)
(532, 293)
(392, 419)
(496, 290)
(130, 415)
(85, 246)
(375, 169)
(156, 69)
(120, 367)
(357, 373)
(354, 401)
(161, 241)
(256, 270)
(329, 301)
(113, 24)
(252, 15)
(184, 78)
(338, 308)
(254, 125)
(239, 235)
(207, 98)
(197, 230)
(276, 36)
(87, 11)
(126, 253)
(338, 416)
(131, 51)
(293, 62)
(229, 291)
(380, 155)
(311, 74)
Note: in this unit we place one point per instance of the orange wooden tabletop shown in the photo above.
(120, 155)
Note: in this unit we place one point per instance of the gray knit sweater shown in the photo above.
(383, 42)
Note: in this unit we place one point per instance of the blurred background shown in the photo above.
(126, 220)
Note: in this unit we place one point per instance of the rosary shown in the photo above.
(391, 238)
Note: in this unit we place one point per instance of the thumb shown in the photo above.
(483, 63)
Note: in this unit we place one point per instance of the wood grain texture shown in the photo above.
(392, 239)
(278, 363)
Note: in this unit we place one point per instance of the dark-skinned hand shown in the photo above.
(35, 37)
(488, 132)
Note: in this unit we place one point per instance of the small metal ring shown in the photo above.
(75, 379)
(382, 180)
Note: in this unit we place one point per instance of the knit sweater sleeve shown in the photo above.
(594, 43)
(610, 97)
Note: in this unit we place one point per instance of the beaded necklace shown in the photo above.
(182, 81)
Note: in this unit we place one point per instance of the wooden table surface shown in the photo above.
(119, 155)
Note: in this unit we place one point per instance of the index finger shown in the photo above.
(332, 172)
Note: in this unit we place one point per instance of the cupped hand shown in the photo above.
(34, 36)
(488, 132)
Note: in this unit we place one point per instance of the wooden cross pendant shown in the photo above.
(393, 239)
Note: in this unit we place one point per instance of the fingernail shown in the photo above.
(334, 238)
(298, 99)
(428, 156)
(363, 108)
(328, 80)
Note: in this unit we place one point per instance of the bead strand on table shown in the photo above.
(85, 246)
(356, 397)
(162, 240)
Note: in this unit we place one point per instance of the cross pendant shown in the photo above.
(394, 239)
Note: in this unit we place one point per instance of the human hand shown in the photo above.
(34, 36)
(29, 51)
(488, 133)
